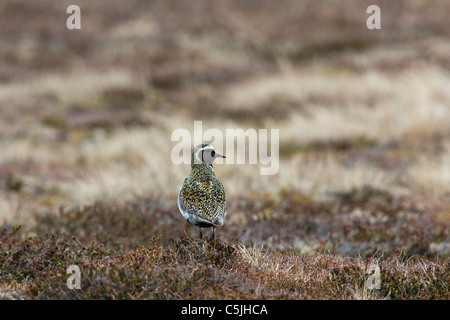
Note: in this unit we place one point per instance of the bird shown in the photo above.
(201, 199)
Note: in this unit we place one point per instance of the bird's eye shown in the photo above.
(213, 153)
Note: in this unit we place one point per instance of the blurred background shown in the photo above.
(87, 115)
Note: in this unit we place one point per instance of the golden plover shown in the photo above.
(201, 199)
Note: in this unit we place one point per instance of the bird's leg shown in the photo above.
(200, 233)
(213, 233)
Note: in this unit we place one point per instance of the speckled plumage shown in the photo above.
(201, 199)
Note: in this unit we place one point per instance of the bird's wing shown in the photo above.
(205, 200)
(219, 205)
(191, 200)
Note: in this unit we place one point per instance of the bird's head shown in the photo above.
(204, 154)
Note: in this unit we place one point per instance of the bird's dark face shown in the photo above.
(204, 153)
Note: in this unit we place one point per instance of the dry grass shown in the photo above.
(335, 104)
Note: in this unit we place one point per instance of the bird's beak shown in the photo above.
(219, 155)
